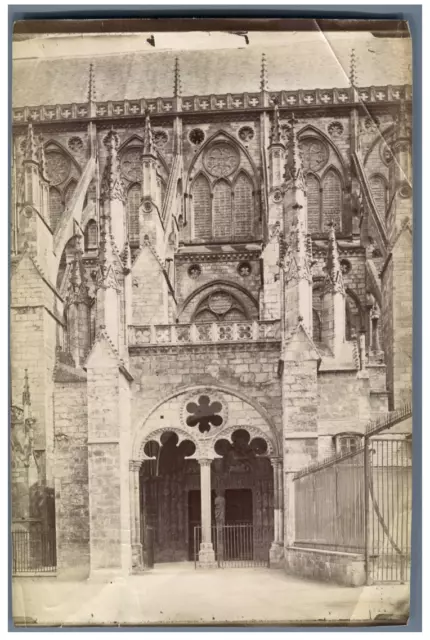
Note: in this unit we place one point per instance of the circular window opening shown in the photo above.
(194, 271)
(196, 136)
(246, 134)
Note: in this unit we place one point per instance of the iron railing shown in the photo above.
(360, 502)
(236, 545)
(34, 551)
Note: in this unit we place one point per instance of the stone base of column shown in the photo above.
(276, 555)
(207, 556)
(136, 558)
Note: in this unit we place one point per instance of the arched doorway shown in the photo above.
(166, 482)
(182, 474)
(243, 477)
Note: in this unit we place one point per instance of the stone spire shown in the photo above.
(177, 80)
(148, 139)
(112, 187)
(334, 277)
(263, 74)
(31, 154)
(353, 69)
(294, 158)
(91, 93)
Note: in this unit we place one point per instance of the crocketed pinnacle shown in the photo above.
(112, 187)
(106, 276)
(263, 75)
(148, 139)
(126, 258)
(177, 80)
(276, 129)
(294, 157)
(26, 400)
(78, 289)
(91, 94)
(353, 69)
(31, 154)
(42, 160)
(334, 277)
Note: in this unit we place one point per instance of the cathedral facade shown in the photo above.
(208, 294)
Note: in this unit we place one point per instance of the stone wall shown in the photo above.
(346, 569)
(71, 477)
(250, 369)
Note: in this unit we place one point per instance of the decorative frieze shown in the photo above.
(325, 98)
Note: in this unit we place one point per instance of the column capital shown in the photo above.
(205, 462)
(134, 465)
(275, 462)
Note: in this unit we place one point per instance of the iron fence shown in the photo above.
(34, 551)
(329, 505)
(360, 502)
(236, 545)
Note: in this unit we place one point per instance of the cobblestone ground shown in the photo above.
(178, 594)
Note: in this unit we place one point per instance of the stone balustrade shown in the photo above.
(218, 332)
(213, 103)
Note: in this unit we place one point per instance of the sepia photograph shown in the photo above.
(211, 313)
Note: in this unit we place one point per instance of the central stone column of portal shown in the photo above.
(206, 553)
(277, 548)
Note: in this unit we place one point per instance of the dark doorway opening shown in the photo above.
(238, 506)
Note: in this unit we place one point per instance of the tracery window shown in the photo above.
(226, 212)
(90, 235)
(202, 208)
(222, 227)
(243, 207)
(219, 306)
(133, 203)
(332, 200)
(55, 207)
(379, 192)
(314, 203)
(69, 193)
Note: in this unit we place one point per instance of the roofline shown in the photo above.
(350, 97)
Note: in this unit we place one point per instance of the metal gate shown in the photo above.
(34, 551)
(236, 545)
(389, 482)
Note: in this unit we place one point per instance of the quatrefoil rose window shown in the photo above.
(204, 414)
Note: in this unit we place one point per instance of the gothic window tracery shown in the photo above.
(332, 200)
(202, 208)
(69, 193)
(133, 203)
(90, 236)
(223, 198)
(379, 192)
(219, 306)
(222, 210)
(323, 182)
(314, 203)
(55, 207)
(243, 207)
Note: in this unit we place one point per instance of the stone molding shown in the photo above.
(169, 106)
